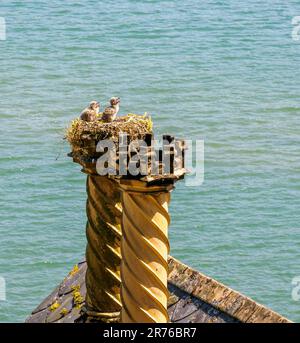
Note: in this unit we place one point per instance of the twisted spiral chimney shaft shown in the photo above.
(103, 252)
(145, 248)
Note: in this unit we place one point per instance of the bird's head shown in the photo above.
(114, 100)
(95, 106)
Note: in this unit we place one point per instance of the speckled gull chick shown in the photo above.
(110, 113)
(90, 113)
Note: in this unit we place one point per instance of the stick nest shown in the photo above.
(81, 133)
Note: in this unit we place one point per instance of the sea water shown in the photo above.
(227, 72)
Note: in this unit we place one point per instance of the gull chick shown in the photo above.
(110, 113)
(90, 113)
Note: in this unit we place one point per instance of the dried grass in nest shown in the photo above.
(80, 132)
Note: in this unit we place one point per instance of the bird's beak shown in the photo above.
(118, 99)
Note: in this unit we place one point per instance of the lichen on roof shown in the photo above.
(80, 132)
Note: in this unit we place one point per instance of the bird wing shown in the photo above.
(108, 114)
(109, 111)
(87, 115)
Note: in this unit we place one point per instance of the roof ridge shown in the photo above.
(220, 296)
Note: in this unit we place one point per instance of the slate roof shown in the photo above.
(194, 298)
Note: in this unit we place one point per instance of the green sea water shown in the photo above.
(227, 72)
